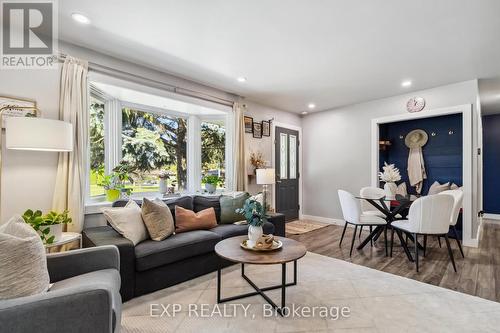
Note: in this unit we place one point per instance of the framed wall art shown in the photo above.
(248, 124)
(16, 107)
(266, 128)
(257, 130)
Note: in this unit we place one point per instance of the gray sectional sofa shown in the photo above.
(153, 265)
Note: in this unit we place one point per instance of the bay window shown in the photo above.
(155, 135)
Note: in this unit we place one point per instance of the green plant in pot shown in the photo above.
(114, 183)
(211, 182)
(48, 226)
(254, 213)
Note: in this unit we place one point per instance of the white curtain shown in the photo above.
(239, 170)
(71, 169)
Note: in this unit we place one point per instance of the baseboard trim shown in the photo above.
(474, 242)
(328, 220)
(491, 216)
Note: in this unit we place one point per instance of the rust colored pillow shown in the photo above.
(186, 220)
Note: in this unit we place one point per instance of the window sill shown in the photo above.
(94, 205)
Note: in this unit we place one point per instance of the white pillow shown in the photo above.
(402, 190)
(259, 197)
(23, 262)
(454, 186)
(438, 188)
(127, 221)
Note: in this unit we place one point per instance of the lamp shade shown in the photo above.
(24, 133)
(265, 176)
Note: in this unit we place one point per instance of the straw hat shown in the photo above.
(416, 138)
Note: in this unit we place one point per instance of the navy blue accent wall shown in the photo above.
(442, 154)
(491, 164)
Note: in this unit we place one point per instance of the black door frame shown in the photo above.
(275, 124)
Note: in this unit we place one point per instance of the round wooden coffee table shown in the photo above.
(231, 250)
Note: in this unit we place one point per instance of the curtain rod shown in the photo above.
(162, 85)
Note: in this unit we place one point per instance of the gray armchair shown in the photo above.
(84, 297)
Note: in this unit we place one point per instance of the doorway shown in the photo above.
(286, 150)
(469, 213)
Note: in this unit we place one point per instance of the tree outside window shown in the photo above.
(152, 143)
(213, 149)
(96, 136)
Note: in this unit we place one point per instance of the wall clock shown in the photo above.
(415, 104)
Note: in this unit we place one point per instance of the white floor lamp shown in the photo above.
(36, 134)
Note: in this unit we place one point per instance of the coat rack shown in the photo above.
(433, 134)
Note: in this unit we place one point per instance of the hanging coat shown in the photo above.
(416, 168)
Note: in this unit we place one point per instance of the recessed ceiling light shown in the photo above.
(242, 79)
(80, 18)
(311, 105)
(406, 83)
(304, 112)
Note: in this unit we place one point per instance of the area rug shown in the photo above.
(377, 302)
(299, 227)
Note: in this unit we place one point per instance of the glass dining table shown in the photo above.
(393, 210)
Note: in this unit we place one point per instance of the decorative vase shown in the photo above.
(163, 186)
(254, 233)
(112, 195)
(210, 188)
(390, 189)
(54, 230)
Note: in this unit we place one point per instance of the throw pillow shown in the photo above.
(23, 268)
(455, 187)
(228, 206)
(438, 188)
(187, 220)
(158, 219)
(184, 202)
(259, 197)
(402, 190)
(127, 221)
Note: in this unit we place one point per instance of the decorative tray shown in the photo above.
(276, 245)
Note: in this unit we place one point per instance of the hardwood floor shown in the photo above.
(478, 274)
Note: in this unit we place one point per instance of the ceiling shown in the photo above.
(295, 52)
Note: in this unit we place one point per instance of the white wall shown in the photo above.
(28, 177)
(336, 144)
(264, 145)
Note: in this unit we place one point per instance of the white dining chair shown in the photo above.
(351, 210)
(367, 208)
(376, 193)
(429, 215)
(458, 196)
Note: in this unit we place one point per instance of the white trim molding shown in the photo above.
(469, 157)
(275, 124)
(323, 219)
(193, 154)
(491, 216)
